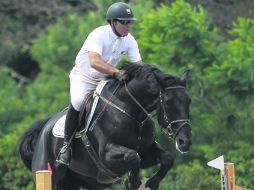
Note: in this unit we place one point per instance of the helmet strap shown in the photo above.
(112, 24)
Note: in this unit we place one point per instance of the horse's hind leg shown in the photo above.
(122, 159)
(156, 154)
(68, 185)
(63, 180)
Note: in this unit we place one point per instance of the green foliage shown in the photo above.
(13, 173)
(140, 8)
(103, 6)
(49, 92)
(236, 60)
(11, 109)
(191, 176)
(62, 41)
(23, 20)
(7, 83)
(231, 77)
(178, 37)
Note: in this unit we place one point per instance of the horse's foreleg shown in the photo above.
(121, 159)
(156, 154)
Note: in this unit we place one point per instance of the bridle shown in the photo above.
(168, 130)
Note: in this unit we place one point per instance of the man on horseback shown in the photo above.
(102, 50)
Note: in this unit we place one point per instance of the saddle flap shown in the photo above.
(88, 106)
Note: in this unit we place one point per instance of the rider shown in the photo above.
(102, 50)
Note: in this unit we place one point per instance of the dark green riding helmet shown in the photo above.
(120, 11)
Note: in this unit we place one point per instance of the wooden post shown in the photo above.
(227, 174)
(43, 180)
(230, 174)
(240, 188)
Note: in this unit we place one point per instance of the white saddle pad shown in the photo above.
(58, 129)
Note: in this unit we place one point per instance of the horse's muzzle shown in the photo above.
(183, 145)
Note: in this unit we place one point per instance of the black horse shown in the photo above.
(120, 138)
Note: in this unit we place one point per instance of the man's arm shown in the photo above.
(100, 65)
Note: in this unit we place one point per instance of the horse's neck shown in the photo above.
(135, 95)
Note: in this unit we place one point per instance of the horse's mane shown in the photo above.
(134, 70)
(164, 79)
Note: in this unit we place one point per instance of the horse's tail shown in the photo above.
(28, 142)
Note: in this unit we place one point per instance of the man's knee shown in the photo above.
(77, 102)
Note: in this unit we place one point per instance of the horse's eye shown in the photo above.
(168, 96)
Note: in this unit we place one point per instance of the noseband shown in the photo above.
(168, 128)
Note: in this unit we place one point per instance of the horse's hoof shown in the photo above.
(152, 184)
(143, 185)
(125, 185)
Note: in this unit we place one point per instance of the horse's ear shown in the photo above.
(160, 77)
(185, 76)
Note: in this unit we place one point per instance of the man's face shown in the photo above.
(123, 27)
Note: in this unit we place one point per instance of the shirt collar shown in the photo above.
(112, 34)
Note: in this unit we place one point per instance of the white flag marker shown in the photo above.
(227, 172)
(217, 163)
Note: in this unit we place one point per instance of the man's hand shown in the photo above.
(121, 75)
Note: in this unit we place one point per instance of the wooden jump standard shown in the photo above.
(227, 174)
(43, 180)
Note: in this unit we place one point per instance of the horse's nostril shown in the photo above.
(180, 142)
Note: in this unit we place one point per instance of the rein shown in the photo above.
(110, 103)
(148, 115)
(168, 129)
(104, 108)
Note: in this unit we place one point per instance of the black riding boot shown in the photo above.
(71, 122)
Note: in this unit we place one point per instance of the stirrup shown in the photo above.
(64, 156)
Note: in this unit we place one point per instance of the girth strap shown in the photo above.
(101, 167)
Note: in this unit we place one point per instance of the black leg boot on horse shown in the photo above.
(71, 123)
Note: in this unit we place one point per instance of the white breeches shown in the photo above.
(80, 87)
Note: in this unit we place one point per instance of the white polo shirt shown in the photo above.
(112, 48)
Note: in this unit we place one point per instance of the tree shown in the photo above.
(22, 21)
